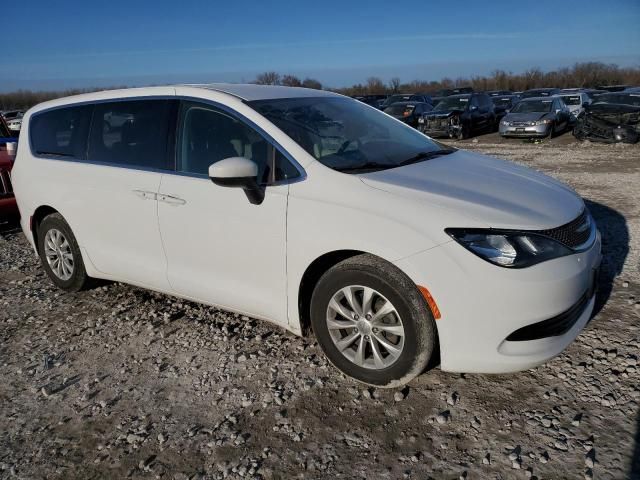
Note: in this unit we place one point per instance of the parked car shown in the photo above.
(447, 92)
(6, 136)
(536, 117)
(405, 97)
(8, 206)
(373, 100)
(498, 93)
(575, 102)
(317, 213)
(611, 118)
(408, 112)
(614, 88)
(503, 104)
(459, 116)
(590, 92)
(13, 119)
(539, 92)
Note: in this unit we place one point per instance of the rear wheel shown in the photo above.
(372, 322)
(60, 254)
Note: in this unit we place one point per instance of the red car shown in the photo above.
(8, 206)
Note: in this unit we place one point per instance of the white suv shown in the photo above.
(315, 212)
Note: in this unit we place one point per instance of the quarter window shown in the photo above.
(131, 133)
(61, 132)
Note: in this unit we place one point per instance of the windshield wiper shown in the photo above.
(426, 156)
(365, 166)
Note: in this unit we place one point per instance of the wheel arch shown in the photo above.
(36, 219)
(310, 278)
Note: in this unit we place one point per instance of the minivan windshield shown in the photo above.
(533, 106)
(348, 136)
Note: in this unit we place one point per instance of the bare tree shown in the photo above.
(268, 78)
(291, 81)
(311, 83)
(394, 84)
(375, 85)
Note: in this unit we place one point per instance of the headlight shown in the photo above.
(505, 123)
(509, 248)
(421, 120)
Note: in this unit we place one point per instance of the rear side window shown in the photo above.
(61, 132)
(131, 133)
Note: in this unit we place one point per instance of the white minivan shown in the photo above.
(315, 212)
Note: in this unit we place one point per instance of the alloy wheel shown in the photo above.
(365, 327)
(57, 251)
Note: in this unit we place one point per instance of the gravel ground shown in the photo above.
(119, 382)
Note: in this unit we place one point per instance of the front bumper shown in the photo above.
(482, 305)
(449, 131)
(525, 131)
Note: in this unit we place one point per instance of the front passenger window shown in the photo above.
(208, 135)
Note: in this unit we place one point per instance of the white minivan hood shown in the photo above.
(494, 192)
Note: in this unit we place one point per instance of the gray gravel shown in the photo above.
(119, 382)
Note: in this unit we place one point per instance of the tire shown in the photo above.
(463, 133)
(412, 350)
(55, 239)
(552, 131)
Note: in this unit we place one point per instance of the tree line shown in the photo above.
(585, 75)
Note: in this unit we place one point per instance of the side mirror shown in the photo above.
(238, 172)
(558, 110)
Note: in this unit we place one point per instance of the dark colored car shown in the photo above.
(503, 103)
(447, 92)
(615, 88)
(536, 117)
(405, 97)
(459, 116)
(373, 100)
(611, 118)
(408, 112)
(539, 92)
(498, 93)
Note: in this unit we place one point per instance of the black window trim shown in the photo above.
(171, 147)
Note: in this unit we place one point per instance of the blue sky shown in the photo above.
(85, 43)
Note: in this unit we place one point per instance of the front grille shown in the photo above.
(553, 327)
(6, 189)
(574, 233)
(520, 124)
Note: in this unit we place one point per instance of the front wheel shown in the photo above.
(463, 133)
(372, 322)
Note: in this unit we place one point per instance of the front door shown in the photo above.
(221, 249)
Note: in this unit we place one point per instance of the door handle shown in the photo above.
(171, 200)
(143, 194)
